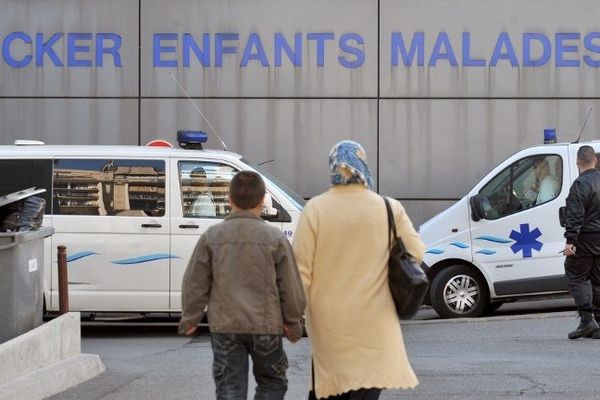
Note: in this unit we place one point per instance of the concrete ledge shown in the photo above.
(53, 379)
(46, 361)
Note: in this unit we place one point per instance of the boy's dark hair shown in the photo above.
(586, 155)
(247, 189)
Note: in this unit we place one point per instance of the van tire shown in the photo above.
(459, 291)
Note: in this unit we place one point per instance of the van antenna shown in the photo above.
(265, 162)
(198, 109)
(586, 120)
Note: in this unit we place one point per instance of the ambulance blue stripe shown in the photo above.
(81, 254)
(486, 252)
(143, 259)
(493, 239)
(434, 251)
(460, 244)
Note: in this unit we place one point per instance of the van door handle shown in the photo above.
(189, 226)
(151, 225)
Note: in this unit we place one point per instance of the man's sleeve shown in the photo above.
(195, 288)
(291, 293)
(548, 191)
(575, 211)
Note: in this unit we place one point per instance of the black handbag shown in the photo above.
(407, 280)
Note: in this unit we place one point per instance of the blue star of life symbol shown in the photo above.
(526, 240)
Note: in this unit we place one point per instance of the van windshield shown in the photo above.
(292, 196)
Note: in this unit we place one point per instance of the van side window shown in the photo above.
(109, 187)
(16, 175)
(526, 183)
(205, 189)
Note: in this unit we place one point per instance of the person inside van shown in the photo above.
(547, 184)
(204, 205)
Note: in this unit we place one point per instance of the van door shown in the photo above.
(111, 215)
(199, 200)
(518, 242)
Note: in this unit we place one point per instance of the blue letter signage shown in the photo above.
(309, 50)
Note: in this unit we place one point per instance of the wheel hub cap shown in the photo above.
(461, 294)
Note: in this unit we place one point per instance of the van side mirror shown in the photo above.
(562, 216)
(477, 211)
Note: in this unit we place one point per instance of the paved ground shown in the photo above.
(509, 356)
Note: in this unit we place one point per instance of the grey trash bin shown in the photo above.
(21, 275)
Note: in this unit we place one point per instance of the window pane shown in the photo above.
(548, 179)
(292, 196)
(494, 195)
(527, 183)
(205, 189)
(16, 175)
(109, 187)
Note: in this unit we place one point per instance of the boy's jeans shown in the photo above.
(230, 365)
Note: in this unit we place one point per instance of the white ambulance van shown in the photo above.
(503, 240)
(130, 216)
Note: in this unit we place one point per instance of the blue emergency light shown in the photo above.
(549, 135)
(191, 139)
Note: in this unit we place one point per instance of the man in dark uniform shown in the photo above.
(582, 264)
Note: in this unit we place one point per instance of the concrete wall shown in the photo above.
(433, 121)
(50, 343)
(46, 360)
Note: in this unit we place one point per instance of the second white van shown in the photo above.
(503, 240)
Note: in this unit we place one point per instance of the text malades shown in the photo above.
(308, 49)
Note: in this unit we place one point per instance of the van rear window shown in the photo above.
(16, 175)
(117, 187)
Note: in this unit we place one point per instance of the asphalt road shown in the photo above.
(520, 352)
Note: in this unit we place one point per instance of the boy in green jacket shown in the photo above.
(245, 272)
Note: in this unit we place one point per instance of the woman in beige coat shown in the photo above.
(341, 246)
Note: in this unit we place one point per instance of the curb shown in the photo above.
(53, 379)
(560, 314)
(46, 360)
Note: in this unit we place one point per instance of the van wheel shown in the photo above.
(459, 291)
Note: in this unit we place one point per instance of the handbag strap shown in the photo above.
(393, 235)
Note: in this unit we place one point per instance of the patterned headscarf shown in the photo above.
(348, 164)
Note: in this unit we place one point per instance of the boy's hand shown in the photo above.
(290, 335)
(191, 330)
